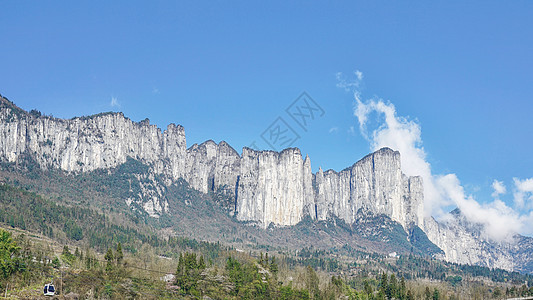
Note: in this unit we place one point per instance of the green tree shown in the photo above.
(402, 290)
(427, 294)
(109, 257)
(383, 284)
(67, 256)
(119, 256)
(392, 287)
(9, 254)
(189, 272)
(436, 294)
(274, 266)
(497, 293)
(201, 263)
(73, 230)
(524, 291)
(56, 263)
(311, 282)
(368, 289)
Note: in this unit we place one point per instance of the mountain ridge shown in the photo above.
(267, 186)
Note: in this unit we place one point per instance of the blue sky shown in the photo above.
(226, 70)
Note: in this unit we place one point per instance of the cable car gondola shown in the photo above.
(49, 289)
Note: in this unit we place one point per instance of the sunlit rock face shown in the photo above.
(269, 187)
(274, 187)
(90, 143)
(374, 184)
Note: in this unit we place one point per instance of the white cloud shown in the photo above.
(333, 129)
(499, 188)
(499, 220)
(523, 191)
(114, 102)
(155, 90)
(440, 191)
(527, 219)
(359, 75)
(349, 84)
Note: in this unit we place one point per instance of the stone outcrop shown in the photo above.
(89, 143)
(274, 187)
(463, 243)
(374, 184)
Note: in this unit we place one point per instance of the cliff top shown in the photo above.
(5, 103)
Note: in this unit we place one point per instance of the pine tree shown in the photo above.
(67, 256)
(402, 289)
(368, 289)
(119, 255)
(436, 294)
(383, 283)
(392, 287)
(9, 254)
(56, 263)
(312, 282)
(109, 258)
(189, 272)
(274, 266)
(201, 263)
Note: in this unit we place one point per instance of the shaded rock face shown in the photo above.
(374, 184)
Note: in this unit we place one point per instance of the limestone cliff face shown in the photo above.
(227, 168)
(465, 245)
(274, 187)
(263, 187)
(374, 184)
(89, 143)
(210, 166)
(269, 187)
(333, 195)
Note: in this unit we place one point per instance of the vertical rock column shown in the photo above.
(274, 187)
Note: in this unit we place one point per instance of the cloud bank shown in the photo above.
(381, 126)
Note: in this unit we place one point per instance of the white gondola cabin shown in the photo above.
(49, 289)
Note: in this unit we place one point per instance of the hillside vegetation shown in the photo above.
(98, 254)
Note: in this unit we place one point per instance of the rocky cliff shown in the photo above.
(268, 187)
(262, 187)
(464, 242)
(274, 187)
(374, 184)
(88, 143)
